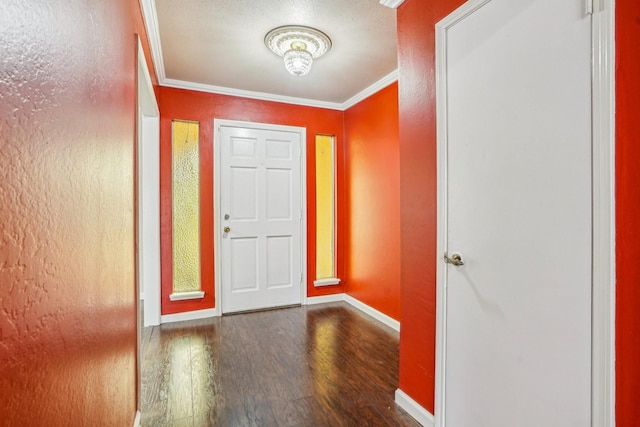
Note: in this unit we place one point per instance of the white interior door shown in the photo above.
(515, 105)
(260, 217)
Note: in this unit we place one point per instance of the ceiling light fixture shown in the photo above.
(298, 45)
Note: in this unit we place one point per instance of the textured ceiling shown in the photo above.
(220, 44)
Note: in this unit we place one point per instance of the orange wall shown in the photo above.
(627, 212)
(416, 95)
(67, 290)
(203, 108)
(372, 179)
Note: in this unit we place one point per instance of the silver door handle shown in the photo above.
(456, 259)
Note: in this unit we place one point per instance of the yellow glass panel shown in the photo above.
(186, 207)
(325, 228)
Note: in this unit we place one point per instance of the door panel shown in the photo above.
(518, 322)
(261, 194)
(279, 188)
(279, 261)
(244, 264)
(243, 185)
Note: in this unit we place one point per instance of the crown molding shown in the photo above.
(150, 18)
(263, 96)
(390, 78)
(393, 4)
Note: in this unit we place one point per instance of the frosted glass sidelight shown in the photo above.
(325, 207)
(186, 206)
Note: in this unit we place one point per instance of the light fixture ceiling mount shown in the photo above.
(298, 45)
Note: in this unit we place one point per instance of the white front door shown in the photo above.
(260, 212)
(515, 146)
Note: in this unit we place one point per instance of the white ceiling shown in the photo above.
(218, 46)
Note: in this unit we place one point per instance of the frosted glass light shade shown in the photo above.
(298, 62)
(298, 45)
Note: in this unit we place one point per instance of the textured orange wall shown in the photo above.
(627, 212)
(203, 108)
(372, 177)
(67, 290)
(417, 105)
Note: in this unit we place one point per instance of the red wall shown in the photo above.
(416, 94)
(372, 179)
(203, 108)
(67, 290)
(627, 212)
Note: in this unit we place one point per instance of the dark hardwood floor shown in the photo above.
(322, 365)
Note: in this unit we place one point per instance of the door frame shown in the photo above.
(147, 245)
(217, 198)
(148, 192)
(603, 208)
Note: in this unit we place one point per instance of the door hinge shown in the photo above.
(589, 7)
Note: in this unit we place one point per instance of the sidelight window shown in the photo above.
(186, 210)
(325, 211)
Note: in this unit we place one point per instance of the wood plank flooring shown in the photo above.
(321, 365)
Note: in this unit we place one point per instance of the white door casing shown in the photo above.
(515, 198)
(148, 203)
(260, 195)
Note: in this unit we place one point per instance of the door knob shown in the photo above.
(456, 259)
(226, 229)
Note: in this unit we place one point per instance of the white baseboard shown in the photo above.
(378, 315)
(136, 421)
(389, 321)
(189, 315)
(325, 299)
(412, 407)
(213, 312)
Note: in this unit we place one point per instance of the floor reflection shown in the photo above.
(325, 365)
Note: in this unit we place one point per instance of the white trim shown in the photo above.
(263, 96)
(136, 420)
(326, 282)
(378, 315)
(148, 101)
(150, 18)
(179, 296)
(414, 409)
(391, 3)
(189, 315)
(324, 299)
(217, 244)
(387, 80)
(603, 255)
(148, 117)
(603, 298)
(217, 123)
